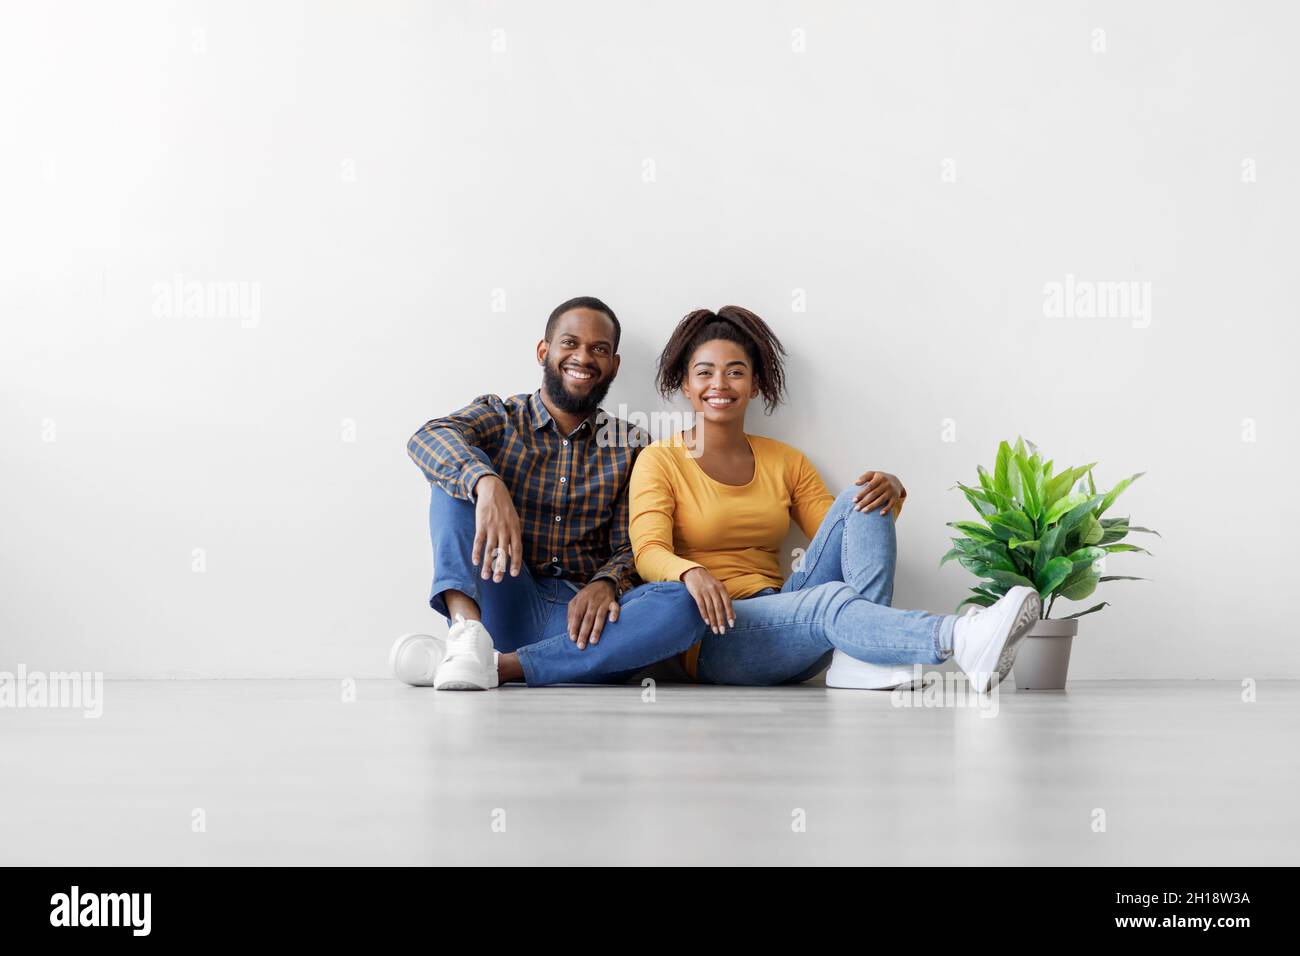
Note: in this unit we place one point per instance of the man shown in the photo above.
(529, 524)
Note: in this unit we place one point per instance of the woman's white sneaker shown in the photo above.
(470, 663)
(984, 642)
(414, 658)
(849, 672)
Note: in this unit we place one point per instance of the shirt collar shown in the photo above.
(542, 416)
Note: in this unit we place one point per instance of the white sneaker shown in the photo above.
(470, 663)
(850, 672)
(984, 642)
(414, 658)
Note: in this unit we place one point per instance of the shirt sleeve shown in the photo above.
(810, 499)
(653, 502)
(444, 447)
(620, 569)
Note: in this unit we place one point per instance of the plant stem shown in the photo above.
(1049, 607)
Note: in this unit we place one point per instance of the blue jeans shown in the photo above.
(530, 614)
(838, 599)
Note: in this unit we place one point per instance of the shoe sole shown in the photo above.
(898, 680)
(907, 685)
(1026, 616)
(459, 679)
(396, 650)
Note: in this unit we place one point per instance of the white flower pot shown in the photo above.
(1043, 659)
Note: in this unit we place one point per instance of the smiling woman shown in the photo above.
(711, 505)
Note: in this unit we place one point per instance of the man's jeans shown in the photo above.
(838, 599)
(530, 614)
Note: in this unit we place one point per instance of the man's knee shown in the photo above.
(669, 603)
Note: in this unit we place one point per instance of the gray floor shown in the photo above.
(287, 772)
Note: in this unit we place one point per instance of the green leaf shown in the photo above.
(1115, 530)
(1026, 545)
(991, 498)
(1090, 531)
(1047, 550)
(1008, 578)
(1121, 577)
(1076, 514)
(1053, 573)
(1010, 524)
(986, 482)
(1092, 488)
(982, 507)
(978, 599)
(1081, 583)
(1029, 477)
(952, 553)
(1095, 607)
(1055, 488)
(1061, 506)
(1113, 548)
(973, 530)
(1001, 481)
(994, 555)
(1115, 492)
(1145, 531)
(1086, 555)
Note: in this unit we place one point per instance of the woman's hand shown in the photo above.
(882, 491)
(711, 598)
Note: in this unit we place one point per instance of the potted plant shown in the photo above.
(1043, 529)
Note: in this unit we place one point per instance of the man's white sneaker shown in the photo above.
(984, 642)
(849, 672)
(470, 663)
(414, 658)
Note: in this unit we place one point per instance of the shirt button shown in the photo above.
(563, 480)
(557, 517)
(555, 559)
(565, 442)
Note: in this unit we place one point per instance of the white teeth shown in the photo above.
(577, 374)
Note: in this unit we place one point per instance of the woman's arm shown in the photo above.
(810, 499)
(652, 500)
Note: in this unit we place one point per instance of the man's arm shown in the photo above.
(443, 448)
(620, 569)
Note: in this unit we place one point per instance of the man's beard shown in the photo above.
(553, 382)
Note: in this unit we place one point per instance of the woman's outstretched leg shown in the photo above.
(779, 637)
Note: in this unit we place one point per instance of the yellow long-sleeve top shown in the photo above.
(680, 518)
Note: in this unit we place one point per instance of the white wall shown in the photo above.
(372, 172)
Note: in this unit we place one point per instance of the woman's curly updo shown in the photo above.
(730, 323)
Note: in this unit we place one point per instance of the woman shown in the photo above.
(711, 506)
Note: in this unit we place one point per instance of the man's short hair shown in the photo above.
(584, 302)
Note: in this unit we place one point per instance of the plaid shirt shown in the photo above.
(570, 490)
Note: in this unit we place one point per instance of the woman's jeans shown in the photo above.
(838, 598)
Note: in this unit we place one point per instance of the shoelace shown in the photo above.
(465, 639)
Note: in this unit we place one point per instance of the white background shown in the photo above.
(377, 170)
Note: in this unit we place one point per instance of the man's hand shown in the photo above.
(590, 610)
(711, 598)
(882, 490)
(498, 536)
